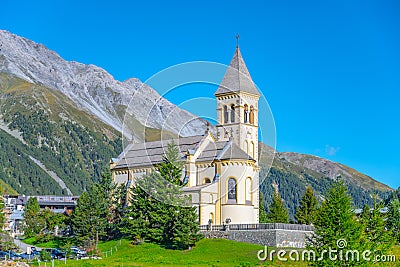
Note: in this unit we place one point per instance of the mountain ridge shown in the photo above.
(93, 88)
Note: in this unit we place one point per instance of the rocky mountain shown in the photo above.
(60, 123)
(93, 89)
(333, 170)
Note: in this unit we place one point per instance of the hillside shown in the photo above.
(52, 135)
(293, 172)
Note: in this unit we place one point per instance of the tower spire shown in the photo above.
(237, 40)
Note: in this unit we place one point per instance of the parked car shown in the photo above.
(9, 255)
(27, 256)
(15, 256)
(56, 253)
(78, 253)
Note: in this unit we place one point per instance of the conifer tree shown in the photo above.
(378, 239)
(2, 216)
(277, 211)
(393, 220)
(91, 219)
(335, 222)
(171, 167)
(308, 206)
(261, 212)
(365, 214)
(34, 223)
(158, 211)
(119, 206)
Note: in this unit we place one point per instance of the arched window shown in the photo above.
(226, 114)
(246, 146)
(248, 191)
(232, 190)
(251, 115)
(253, 150)
(211, 198)
(206, 181)
(246, 113)
(232, 113)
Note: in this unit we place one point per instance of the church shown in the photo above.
(221, 171)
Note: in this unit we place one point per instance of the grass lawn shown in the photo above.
(32, 241)
(207, 252)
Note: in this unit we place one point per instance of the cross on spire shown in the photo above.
(237, 40)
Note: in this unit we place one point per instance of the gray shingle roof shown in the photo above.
(150, 153)
(233, 151)
(222, 151)
(211, 151)
(237, 77)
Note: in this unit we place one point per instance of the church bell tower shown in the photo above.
(237, 107)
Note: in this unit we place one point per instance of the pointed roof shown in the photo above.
(237, 77)
(233, 151)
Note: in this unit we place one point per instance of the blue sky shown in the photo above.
(330, 70)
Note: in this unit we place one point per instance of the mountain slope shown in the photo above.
(73, 144)
(293, 172)
(333, 170)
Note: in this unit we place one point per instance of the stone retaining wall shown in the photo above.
(268, 237)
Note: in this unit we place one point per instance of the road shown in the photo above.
(23, 246)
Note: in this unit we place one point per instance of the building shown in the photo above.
(221, 171)
(56, 204)
(15, 205)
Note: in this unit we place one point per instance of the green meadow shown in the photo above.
(207, 252)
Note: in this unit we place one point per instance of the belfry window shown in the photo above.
(232, 113)
(226, 114)
(246, 113)
(251, 115)
(232, 190)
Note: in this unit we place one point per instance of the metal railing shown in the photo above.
(258, 226)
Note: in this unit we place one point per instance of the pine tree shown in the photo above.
(159, 212)
(378, 239)
(92, 218)
(277, 211)
(365, 214)
(119, 207)
(34, 223)
(335, 221)
(171, 167)
(393, 221)
(2, 216)
(308, 206)
(261, 209)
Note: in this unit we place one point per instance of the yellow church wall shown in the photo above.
(203, 173)
(208, 207)
(241, 211)
(238, 213)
